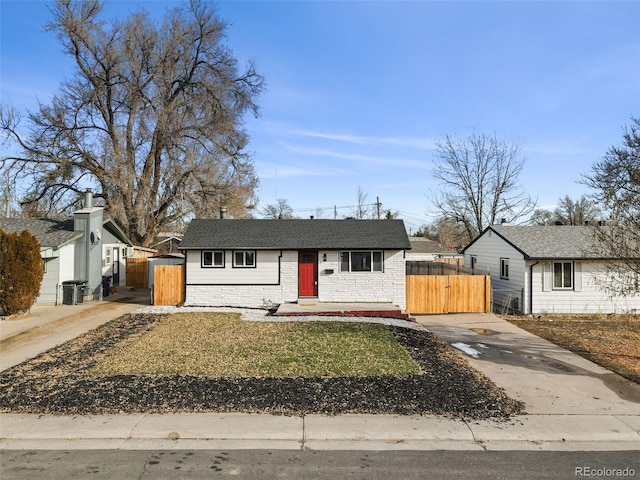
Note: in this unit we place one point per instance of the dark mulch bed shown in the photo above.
(57, 382)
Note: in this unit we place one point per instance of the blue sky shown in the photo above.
(358, 92)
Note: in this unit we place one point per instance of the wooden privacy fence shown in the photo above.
(137, 272)
(168, 284)
(434, 291)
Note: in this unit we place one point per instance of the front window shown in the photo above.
(361, 261)
(563, 275)
(213, 258)
(244, 258)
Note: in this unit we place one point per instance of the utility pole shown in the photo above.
(335, 212)
(378, 205)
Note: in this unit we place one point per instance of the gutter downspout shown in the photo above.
(531, 286)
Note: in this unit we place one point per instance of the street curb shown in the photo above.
(212, 431)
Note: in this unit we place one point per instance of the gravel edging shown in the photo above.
(260, 315)
(57, 382)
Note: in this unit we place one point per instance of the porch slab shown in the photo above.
(356, 309)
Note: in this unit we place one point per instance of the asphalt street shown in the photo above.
(286, 464)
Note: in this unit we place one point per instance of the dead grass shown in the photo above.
(222, 345)
(612, 341)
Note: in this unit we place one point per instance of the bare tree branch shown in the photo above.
(152, 119)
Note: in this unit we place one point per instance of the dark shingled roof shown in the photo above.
(295, 234)
(49, 232)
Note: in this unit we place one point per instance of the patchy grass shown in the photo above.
(612, 341)
(222, 345)
(59, 381)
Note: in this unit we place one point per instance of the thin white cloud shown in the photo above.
(558, 148)
(270, 170)
(409, 142)
(390, 161)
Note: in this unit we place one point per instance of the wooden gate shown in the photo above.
(168, 284)
(137, 272)
(448, 294)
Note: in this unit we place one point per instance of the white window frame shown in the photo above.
(244, 255)
(213, 263)
(374, 266)
(563, 286)
(504, 268)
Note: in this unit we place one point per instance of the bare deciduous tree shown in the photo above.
(478, 175)
(568, 212)
(363, 210)
(152, 119)
(616, 183)
(280, 210)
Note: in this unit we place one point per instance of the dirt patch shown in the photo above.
(58, 382)
(612, 341)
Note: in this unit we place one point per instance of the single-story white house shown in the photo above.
(545, 269)
(83, 248)
(254, 263)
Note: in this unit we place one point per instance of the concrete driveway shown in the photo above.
(47, 326)
(547, 378)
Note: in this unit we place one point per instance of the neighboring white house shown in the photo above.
(83, 248)
(545, 269)
(252, 263)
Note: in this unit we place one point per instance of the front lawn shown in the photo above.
(612, 341)
(223, 345)
(143, 363)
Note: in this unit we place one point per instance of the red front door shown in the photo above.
(307, 274)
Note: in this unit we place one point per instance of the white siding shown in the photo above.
(508, 293)
(50, 282)
(590, 298)
(273, 280)
(59, 269)
(266, 271)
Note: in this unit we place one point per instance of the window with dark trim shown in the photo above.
(361, 261)
(563, 275)
(213, 259)
(244, 258)
(504, 268)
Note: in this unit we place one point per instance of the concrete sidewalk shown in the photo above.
(571, 404)
(204, 431)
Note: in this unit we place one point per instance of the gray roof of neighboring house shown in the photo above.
(295, 234)
(50, 233)
(548, 242)
(424, 245)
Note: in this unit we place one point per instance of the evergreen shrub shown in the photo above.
(21, 271)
